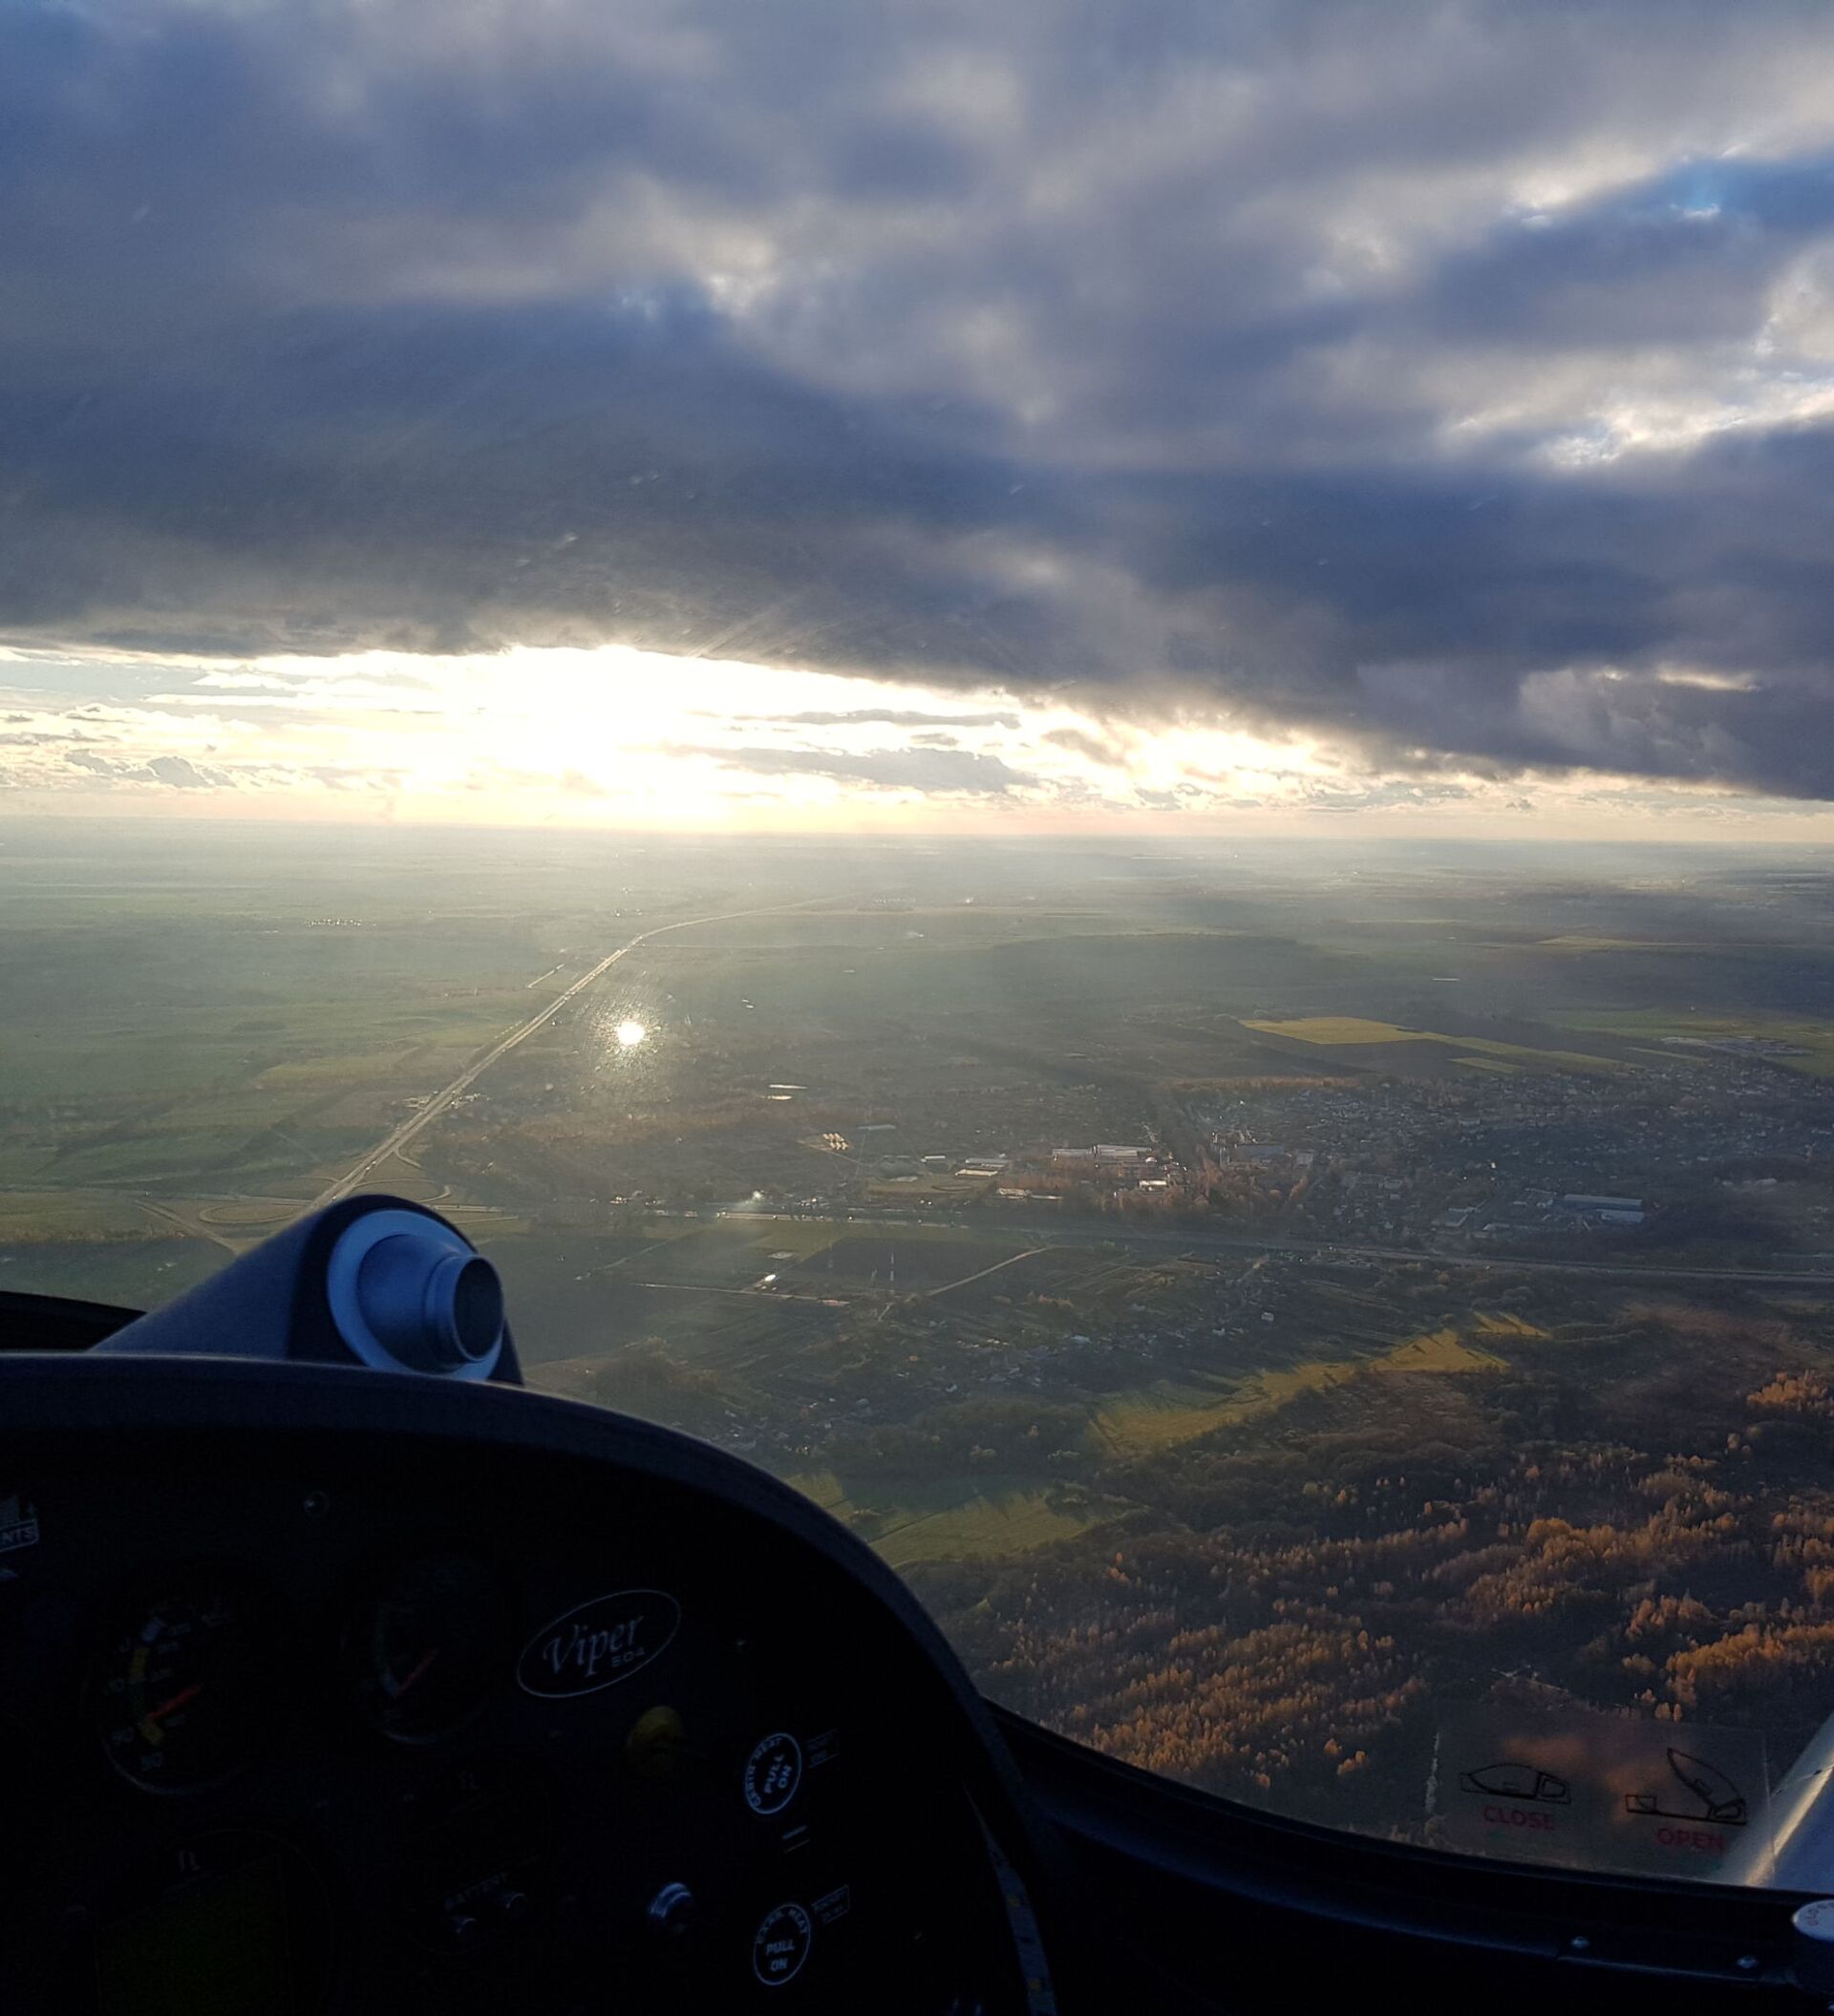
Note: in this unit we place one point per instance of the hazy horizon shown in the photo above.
(1353, 841)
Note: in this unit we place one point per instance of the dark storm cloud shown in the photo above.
(1451, 379)
(1684, 259)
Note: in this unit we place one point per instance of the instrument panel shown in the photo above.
(324, 1691)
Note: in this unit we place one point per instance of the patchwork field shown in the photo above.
(1799, 1046)
(1356, 1032)
(1165, 1414)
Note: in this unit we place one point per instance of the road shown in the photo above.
(442, 1101)
(1011, 1260)
(1211, 1243)
(185, 1225)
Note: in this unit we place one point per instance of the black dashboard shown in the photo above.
(332, 1689)
(338, 1673)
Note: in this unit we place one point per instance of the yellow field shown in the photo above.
(1438, 1351)
(1340, 1029)
(1154, 1417)
(988, 1522)
(1150, 1417)
(1500, 1323)
(1353, 1031)
(1000, 1523)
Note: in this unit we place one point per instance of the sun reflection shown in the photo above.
(630, 1034)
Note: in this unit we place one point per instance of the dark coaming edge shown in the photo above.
(56, 1322)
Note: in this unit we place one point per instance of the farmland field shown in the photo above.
(1355, 1033)
(1806, 1047)
(956, 1518)
(1345, 1227)
(1164, 1415)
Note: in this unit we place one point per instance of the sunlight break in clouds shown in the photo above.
(623, 739)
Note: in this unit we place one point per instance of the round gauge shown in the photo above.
(184, 1687)
(223, 1922)
(427, 1646)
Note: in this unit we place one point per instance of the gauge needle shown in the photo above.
(414, 1672)
(177, 1701)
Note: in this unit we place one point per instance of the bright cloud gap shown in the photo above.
(617, 737)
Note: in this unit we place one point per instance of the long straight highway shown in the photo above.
(424, 1118)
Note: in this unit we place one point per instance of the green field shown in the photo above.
(130, 1273)
(51, 1216)
(1814, 1041)
(955, 1518)
(1356, 1033)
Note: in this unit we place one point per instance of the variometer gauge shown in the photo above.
(427, 1646)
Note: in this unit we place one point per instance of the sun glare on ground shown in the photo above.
(630, 1034)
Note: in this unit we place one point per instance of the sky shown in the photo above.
(1181, 416)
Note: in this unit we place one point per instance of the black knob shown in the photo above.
(672, 1911)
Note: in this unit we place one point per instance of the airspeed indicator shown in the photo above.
(184, 1687)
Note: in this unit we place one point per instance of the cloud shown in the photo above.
(877, 716)
(176, 771)
(183, 774)
(1095, 749)
(956, 771)
(1441, 392)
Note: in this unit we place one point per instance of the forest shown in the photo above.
(1640, 1521)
